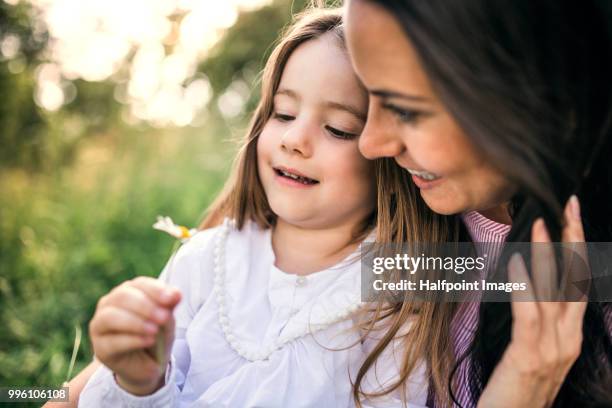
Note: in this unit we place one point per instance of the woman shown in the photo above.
(500, 111)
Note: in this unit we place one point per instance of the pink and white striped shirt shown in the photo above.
(492, 235)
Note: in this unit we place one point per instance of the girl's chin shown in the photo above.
(291, 213)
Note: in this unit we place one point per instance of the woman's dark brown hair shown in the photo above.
(530, 84)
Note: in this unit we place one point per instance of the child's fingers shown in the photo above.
(132, 299)
(114, 344)
(157, 290)
(116, 320)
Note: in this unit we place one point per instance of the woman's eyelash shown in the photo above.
(341, 134)
(404, 115)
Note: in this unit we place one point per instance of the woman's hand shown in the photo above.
(124, 328)
(546, 335)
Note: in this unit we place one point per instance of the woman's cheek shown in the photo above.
(441, 147)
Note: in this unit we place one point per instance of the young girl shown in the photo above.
(266, 290)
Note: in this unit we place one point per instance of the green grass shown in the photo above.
(67, 238)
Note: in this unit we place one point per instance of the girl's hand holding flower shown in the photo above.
(124, 328)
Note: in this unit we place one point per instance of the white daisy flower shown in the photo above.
(168, 226)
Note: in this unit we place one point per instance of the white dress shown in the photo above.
(281, 340)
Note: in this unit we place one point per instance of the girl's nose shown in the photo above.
(297, 139)
(377, 140)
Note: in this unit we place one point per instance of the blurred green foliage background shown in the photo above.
(80, 187)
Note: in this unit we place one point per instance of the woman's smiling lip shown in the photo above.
(423, 179)
(425, 184)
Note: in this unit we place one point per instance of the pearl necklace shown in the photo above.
(219, 288)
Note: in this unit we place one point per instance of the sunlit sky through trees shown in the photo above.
(149, 48)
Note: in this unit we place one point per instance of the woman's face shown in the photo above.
(406, 120)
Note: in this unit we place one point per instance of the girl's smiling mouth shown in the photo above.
(293, 177)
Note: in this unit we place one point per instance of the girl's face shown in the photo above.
(407, 122)
(307, 154)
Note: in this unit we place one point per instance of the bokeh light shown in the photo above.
(149, 48)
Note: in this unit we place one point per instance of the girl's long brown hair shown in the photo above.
(422, 326)
(401, 216)
(538, 104)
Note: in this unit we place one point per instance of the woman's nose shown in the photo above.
(377, 140)
(297, 139)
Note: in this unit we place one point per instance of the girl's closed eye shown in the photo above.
(405, 115)
(341, 134)
(283, 117)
